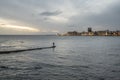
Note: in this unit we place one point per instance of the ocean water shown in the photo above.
(74, 58)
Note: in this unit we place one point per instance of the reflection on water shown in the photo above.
(74, 58)
(12, 45)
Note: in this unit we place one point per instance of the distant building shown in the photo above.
(89, 29)
(92, 33)
(118, 33)
(72, 33)
(84, 33)
(87, 34)
(100, 33)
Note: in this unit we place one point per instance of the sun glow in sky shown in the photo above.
(15, 27)
(20, 28)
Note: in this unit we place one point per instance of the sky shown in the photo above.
(35, 17)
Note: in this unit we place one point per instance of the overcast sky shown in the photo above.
(58, 16)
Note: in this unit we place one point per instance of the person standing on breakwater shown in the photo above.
(53, 44)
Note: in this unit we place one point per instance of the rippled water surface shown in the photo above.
(74, 58)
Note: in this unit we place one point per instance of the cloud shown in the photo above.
(53, 16)
(19, 28)
(14, 27)
(49, 15)
(105, 17)
(52, 13)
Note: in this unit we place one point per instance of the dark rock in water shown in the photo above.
(84, 66)
(5, 67)
(37, 67)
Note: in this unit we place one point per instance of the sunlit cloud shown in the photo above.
(12, 25)
(19, 28)
(58, 19)
(55, 31)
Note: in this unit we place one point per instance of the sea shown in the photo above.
(74, 58)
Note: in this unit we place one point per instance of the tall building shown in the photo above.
(89, 29)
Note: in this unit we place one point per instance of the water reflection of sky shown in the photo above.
(14, 45)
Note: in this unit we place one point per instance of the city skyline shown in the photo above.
(91, 32)
(37, 17)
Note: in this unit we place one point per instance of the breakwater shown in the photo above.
(16, 51)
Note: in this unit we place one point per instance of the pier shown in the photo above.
(23, 50)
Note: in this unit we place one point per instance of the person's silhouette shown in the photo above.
(53, 44)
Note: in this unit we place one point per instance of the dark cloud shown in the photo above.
(52, 13)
